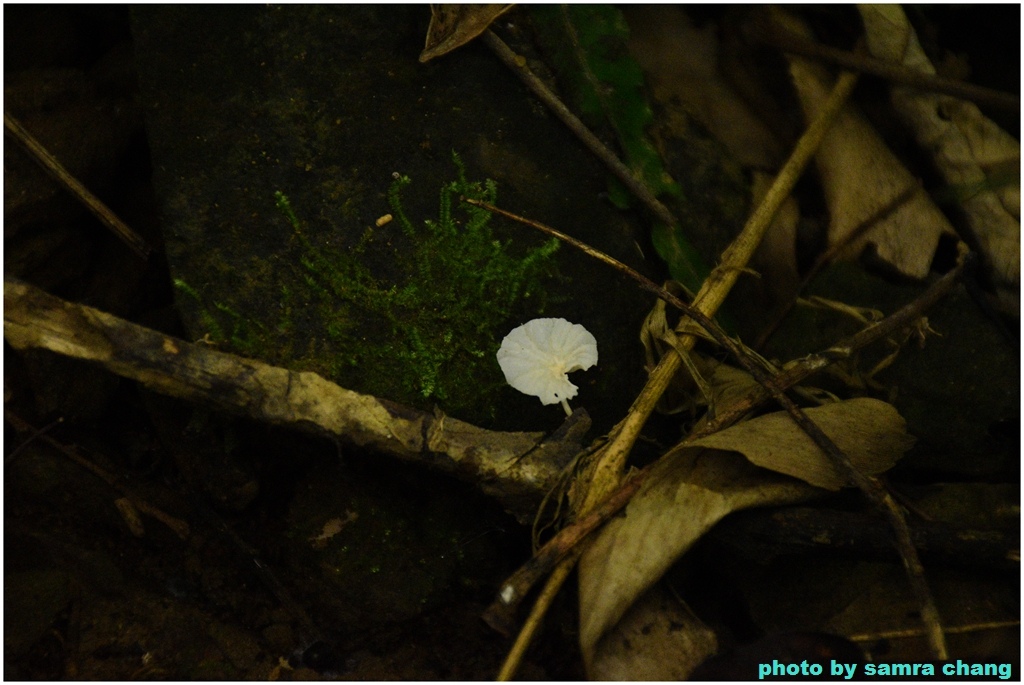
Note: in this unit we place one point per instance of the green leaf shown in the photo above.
(684, 264)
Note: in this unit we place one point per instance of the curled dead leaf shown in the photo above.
(970, 151)
(683, 498)
(871, 433)
(452, 26)
(659, 638)
(864, 182)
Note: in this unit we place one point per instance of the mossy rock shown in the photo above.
(327, 105)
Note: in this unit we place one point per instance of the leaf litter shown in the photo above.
(693, 488)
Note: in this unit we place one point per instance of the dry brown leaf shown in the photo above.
(682, 499)
(728, 384)
(861, 176)
(775, 258)
(659, 638)
(871, 433)
(452, 26)
(968, 149)
(681, 65)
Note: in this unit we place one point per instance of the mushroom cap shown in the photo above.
(536, 357)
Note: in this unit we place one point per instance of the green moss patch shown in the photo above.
(426, 332)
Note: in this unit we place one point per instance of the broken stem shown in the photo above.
(515, 655)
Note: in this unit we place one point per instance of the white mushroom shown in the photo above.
(536, 357)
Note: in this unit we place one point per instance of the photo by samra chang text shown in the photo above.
(837, 669)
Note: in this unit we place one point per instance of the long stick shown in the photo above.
(788, 41)
(55, 169)
(715, 289)
(34, 319)
(515, 655)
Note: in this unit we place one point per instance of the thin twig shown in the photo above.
(872, 488)
(593, 143)
(561, 545)
(825, 258)
(36, 432)
(645, 283)
(515, 655)
(788, 41)
(917, 632)
(180, 528)
(611, 461)
(844, 349)
(55, 169)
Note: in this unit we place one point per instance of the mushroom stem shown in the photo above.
(565, 406)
